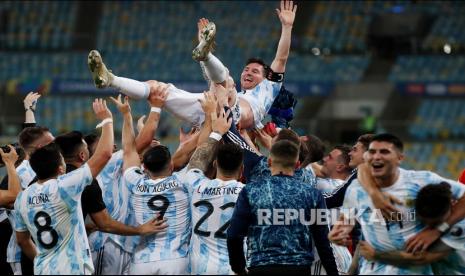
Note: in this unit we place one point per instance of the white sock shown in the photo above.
(132, 88)
(215, 69)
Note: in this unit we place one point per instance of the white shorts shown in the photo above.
(16, 268)
(185, 105)
(165, 267)
(111, 259)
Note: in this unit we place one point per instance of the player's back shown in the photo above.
(169, 198)
(213, 204)
(52, 214)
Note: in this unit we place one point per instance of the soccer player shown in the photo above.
(383, 159)
(49, 209)
(8, 197)
(447, 256)
(259, 83)
(213, 200)
(155, 191)
(278, 245)
(112, 253)
(337, 171)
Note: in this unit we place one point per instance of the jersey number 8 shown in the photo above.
(43, 221)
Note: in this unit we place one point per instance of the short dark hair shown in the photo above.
(157, 159)
(30, 134)
(365, 140)
(389, 138)
(284, 153)
(315, 150)
(91, 138)
(229, 158)
(440, 194)
(290, 135)
(345, 149)
(45, 161)
(266, 68)
(70, 143)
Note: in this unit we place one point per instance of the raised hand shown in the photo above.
(264, 138)
(208, 103)
(221, 123)
(286, 13)
(31, 100)
(101, 110)
(9, 157)
(184, 137)
(123, 107)
(158, 95)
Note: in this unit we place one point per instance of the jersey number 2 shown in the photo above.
(219, 234)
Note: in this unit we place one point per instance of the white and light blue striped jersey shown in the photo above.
(52, 214)
(261, 99)
(212, 206)
(115, 195)
(167, 197)
(26, 174)
(341, 253)
(454, 263)
(392, 236)
(328, 185)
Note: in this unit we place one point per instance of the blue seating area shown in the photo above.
(69, 65)
(445, 158)
(326, 69)
(39, 24)
(439, 119)
(66, 113)
(428, 69)
(162, 49)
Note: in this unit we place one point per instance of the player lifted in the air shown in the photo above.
(260, 83)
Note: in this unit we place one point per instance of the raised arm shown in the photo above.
(104, 147)
(187, 144)
(209, 106)
(8, 197)
(130, 156)
(286, 15)
(157, 98)
(203, 155)
(30, 107)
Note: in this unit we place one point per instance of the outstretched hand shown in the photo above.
(101, 110)
(123, 107)
(222, 122)
(31, 100)
(208, 103)
(286, 13)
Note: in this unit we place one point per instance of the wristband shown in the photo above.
(155, 109)
(216, 136)
(443, 227)
(105, 121)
